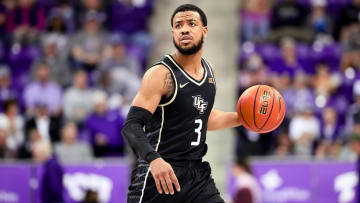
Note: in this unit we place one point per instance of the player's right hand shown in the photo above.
(164, 176)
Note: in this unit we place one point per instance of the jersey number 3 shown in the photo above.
(198, 132)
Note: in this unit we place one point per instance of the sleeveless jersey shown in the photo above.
(177, 129)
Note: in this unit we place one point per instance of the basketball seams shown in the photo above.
(242, 116)
(272, 106)
(280, 120)
(258, 129)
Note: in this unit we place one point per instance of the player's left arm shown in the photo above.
(220, 120)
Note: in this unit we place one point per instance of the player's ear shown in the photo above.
(205, 31)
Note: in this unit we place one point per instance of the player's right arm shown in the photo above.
(156, 83)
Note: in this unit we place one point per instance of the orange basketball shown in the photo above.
(261, 108)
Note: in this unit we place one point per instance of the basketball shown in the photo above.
(261, 108)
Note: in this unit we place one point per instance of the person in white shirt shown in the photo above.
(304, 129)
(13, 124)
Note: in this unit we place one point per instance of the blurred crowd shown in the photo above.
(68, 71)
(309, 50)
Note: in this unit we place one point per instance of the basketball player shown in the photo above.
(167, 123)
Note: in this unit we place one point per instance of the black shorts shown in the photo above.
(197, 185)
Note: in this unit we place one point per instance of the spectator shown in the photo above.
(6, 90)
(349, 17)
(70, 149)
(319, 22)
(288, 63)
(135, 30)
(247, 188)
(351, 54)
(119, 58)
(43, 91)
(51, 185)
(288, 19)
(59, 67)
(78, 99)
(105, 128)
(303, 138)
(88, 44)
(63, 14)
(255, 20)
(323, 82)
(283, 146)
(13, 124)
(43, 125)
(82, 7)
(57, 33)
(330, 129)
(352, 114)
(298, 95)
(29, 20)
(5, 152)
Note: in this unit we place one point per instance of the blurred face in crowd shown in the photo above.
(92, 4)
(100, 107)
(322, 71)
(25, 3)
(42, 111)
(9, 4)
(356, 2)
(289, 51)
(80, 80)
(119, 51)
(41, 151)
(69, 133)
(51, 49)
(188, 32)
(329, 116)
(4, 82)
(43, 73)
(300, 81)
(12, 110)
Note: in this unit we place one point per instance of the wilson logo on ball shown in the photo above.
(265, 103)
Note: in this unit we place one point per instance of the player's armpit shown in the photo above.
(220, 120)
(156, 82)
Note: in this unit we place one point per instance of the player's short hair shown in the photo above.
(190, 7)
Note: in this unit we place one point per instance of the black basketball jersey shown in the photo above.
(177, 129)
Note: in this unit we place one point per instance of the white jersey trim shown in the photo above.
(186, 75)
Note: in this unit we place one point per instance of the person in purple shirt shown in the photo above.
(105, 127)
(51, 185)
(44, 91)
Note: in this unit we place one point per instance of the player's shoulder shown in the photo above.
(156, 71)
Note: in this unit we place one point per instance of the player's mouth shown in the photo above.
(185, 39)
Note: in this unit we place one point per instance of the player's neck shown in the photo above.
(190, 63)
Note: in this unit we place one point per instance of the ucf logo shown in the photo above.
(200, 103)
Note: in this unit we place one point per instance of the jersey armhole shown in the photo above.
(211, 71)
(165, 103)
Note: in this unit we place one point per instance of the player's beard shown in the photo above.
(192, 50)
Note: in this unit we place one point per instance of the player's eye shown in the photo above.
(177, 26)
(192, 24)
